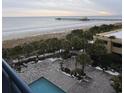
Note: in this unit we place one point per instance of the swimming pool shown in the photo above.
(42, 85)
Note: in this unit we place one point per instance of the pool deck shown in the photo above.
(49, 69)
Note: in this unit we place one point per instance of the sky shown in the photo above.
(61, 7)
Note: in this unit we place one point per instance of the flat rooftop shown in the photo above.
(117, 34)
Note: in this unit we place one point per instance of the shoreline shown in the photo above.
(15, 42)
(19, 41)
(10, 35)
(60, 34)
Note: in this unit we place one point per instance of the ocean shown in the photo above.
(20, 27)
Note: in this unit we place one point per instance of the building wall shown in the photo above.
(109, 45)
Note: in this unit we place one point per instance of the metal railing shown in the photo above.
(19, 83)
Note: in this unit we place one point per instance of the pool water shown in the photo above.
(42, 85)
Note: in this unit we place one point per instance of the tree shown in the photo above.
(65, 45)
(35, 45)
(84, 44)
(94, 30)
(27, 49)
(42, 47)
(78, 39)
(61, 65)
(77, 43)
(88, 35)
(117, 83)
(77, 32)
(112, 37)
(53, 44)
(5, 53)
(111, 61)
(83, 59)
(97, 49)
(16, 51)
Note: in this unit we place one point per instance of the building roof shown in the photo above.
(117, 34)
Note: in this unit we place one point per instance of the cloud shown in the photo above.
(104, 13)
(62, 7)
(40, 13)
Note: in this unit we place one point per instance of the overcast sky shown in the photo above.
(61, 7)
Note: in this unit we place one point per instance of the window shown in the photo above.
(117, 45)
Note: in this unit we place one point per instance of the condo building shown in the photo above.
(112, 39)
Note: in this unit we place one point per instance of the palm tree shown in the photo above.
(61, 65)
(84, 44)
(83, 59)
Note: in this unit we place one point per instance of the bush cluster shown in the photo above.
(108, 61)
(117, 83)
(77, 73)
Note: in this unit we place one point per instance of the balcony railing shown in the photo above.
(11, 81)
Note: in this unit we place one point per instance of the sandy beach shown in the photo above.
(15, 42)
(10, 43)
(61, 34)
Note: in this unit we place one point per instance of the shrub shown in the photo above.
(78, 71)
(67, 70)
(73, 72)
(79, 77)
(112, 61)
(65, 55)
(117, 83)
(63, 69)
